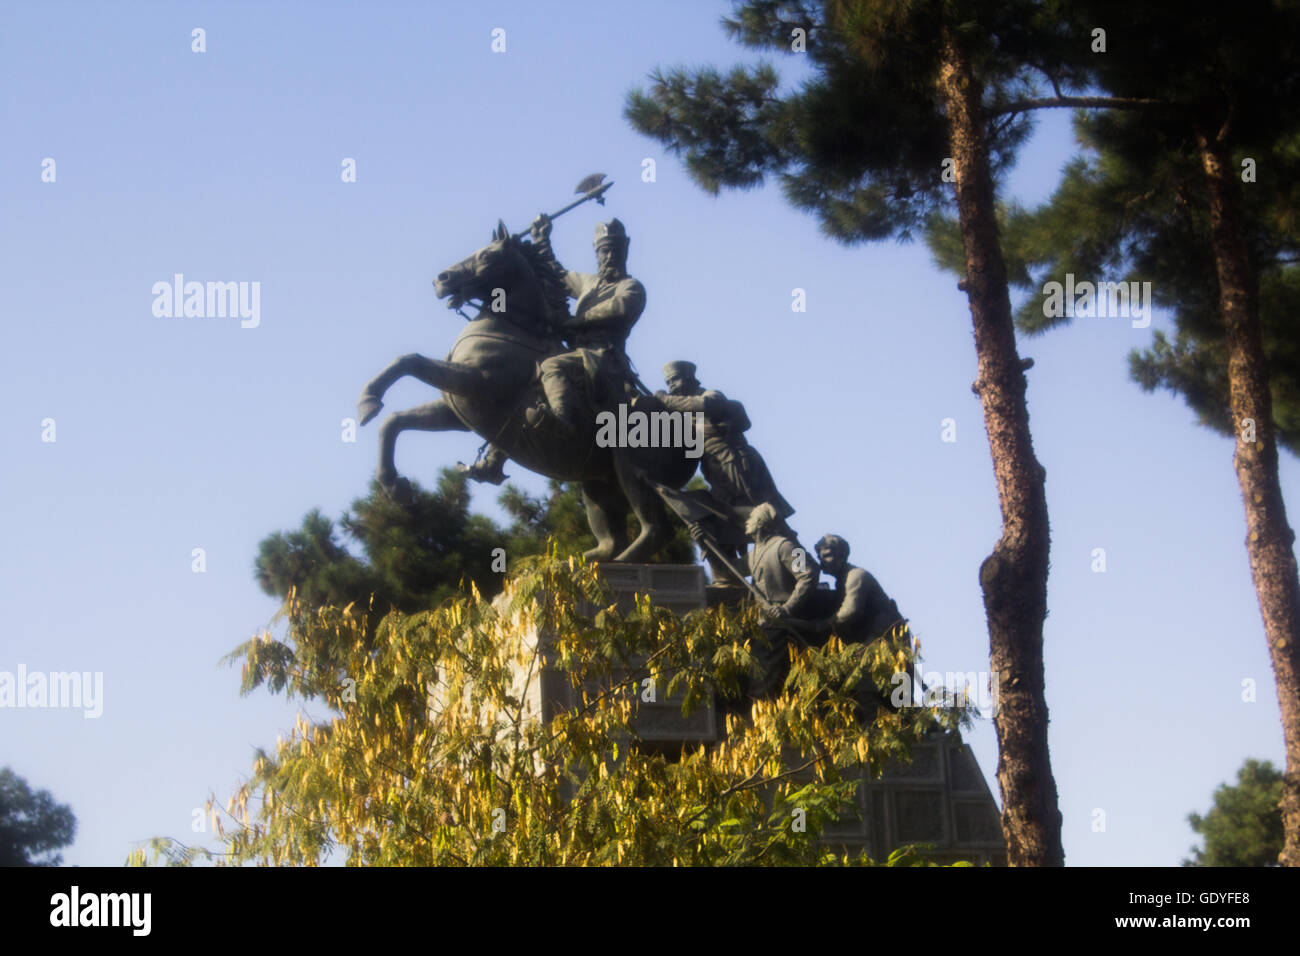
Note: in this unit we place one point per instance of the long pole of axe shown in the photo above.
(591, 187)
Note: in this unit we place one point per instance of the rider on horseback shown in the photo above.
(608, 305)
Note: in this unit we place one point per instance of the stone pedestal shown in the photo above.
(940, 798)
(659, 723)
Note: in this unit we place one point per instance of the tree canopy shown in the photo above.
(32, 824)
(1130, 213)
(1194, 192)
(433, 754)
(861, 142)
(413, 556)
(1244, 826)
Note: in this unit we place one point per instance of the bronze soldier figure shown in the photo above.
(735, 471)
(737, 475)
(785, 574)
(864, 611)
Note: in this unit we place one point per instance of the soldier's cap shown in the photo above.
(680, 369)
(612, 231)
(835, 544)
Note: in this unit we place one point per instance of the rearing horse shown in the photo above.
(489, 379)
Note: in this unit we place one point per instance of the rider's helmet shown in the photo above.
(613, 233)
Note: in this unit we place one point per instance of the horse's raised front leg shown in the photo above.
(445, 376)
(431, 417)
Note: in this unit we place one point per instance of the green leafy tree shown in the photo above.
(413, 556)
(410, 556)
(439, 756)
(912, 109)
(1194, 188)
(1244, 827)
(32, 825)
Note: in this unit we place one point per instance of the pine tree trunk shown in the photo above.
(1014, 577)
(1269, 537)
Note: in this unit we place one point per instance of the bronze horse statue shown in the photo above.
(488, 381)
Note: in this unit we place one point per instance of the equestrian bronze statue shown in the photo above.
(491, 384)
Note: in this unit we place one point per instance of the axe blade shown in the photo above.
(589, 183)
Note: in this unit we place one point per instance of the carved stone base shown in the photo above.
(659, 723)
(940, 798)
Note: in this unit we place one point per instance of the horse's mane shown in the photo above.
(554, 291)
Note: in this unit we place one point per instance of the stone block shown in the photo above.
(679, 587)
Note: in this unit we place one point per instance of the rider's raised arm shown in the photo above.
(540, 231)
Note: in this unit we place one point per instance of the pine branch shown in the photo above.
(1082, 102)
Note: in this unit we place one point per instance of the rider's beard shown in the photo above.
(611, 272)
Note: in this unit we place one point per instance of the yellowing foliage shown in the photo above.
(466, 774)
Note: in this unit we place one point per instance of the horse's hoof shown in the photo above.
(492, 474)
(367, 408)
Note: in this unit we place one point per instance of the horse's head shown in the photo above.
(501, 264)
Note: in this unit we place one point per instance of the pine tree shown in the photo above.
(1244, 827)
(913, 108)
(413, 556)
(1172, 197)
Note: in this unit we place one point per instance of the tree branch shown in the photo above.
(1081, 102)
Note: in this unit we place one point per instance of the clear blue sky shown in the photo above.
(175, 434)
